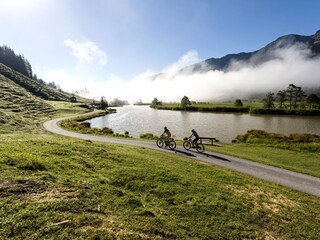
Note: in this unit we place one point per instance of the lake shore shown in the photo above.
(232, 109)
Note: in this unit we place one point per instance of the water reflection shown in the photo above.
(224, 126)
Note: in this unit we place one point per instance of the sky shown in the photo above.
(110, 47)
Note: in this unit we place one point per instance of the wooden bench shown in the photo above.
(209, 140)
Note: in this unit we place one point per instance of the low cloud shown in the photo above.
(292, 65)
(87, 51)
(187, 59)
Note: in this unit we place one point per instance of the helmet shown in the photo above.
(192, 130)
(165, 128)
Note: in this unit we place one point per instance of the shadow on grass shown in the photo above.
(189, 154)
(216, 157)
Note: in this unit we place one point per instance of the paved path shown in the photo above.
(280, 176)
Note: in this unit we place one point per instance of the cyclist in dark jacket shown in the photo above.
(195, 135)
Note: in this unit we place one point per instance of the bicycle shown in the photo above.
(162, 141)
(187, 144)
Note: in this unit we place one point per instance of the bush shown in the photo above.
(85, 125)
(33, 165)
(107, 130)
(148, 136)
(298, 141)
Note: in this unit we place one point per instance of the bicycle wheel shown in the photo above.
(187, 145)
(200, 147)
(172, 145)
(160, 143)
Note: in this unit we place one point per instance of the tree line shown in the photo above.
(20, 64)
(292, 98)
(16, 62)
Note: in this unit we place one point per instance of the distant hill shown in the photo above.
(255, 58)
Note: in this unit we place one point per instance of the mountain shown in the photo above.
(257, 57)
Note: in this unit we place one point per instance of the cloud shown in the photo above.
(87, 51)
(293, 66)
(191, 57)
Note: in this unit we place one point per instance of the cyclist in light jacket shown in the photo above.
(167, 133)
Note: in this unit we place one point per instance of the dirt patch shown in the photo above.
(269, 236)
(21, 187)
(113, 226)
(54, 195)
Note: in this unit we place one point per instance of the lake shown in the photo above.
(223, 126)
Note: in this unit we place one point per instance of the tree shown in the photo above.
(17, 62)
(298, 96)
(118, 103)
(155, 102)
(294, 94)
(268, 100)
(281, 97)
(238, 103)
(185, 102)
(290, 93)
(103, 103)
(312, 100)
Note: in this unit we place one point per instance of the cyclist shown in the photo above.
(168, 135)
(196, 137)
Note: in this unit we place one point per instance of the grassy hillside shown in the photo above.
(34, 87)
(60, 188)
(19, 109)
(23, 102)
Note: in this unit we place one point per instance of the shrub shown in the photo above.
(147, 136)
(298, 141)
(33, 165)
(107, 130)
(85, 124)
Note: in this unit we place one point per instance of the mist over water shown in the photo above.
(291, 65)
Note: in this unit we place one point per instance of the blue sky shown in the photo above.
(100, 44)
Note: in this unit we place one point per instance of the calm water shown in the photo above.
(225, 127)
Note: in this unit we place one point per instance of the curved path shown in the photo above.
(298, 181)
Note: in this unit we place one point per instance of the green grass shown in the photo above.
(59, 188)
(296, 152)
(226, 104)
(307, 162)
(63, 109)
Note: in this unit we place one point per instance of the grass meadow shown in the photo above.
(54, 187)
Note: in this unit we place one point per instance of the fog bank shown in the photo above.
(292, 65)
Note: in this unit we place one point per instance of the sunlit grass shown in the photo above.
(295, 160)
(55, 187)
